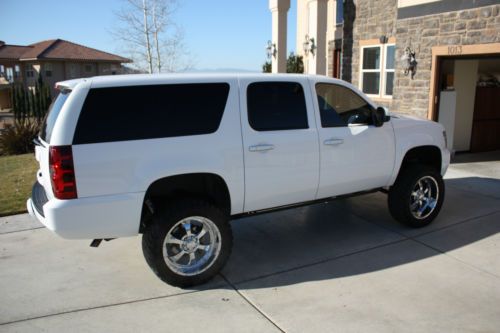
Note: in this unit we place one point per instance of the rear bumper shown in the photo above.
(110, 216)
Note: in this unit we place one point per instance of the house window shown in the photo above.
(29, 71)
(2, 69)
(9, 73)
(377, 70)
(88, 68)
(72, 71)
(340, 12)
(17, 71)
(48, 70)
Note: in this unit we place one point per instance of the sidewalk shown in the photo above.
(340, 267)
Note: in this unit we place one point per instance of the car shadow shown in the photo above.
(359, 232)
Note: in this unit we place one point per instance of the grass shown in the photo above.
(17, 175)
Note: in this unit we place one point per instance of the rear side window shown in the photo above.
(50, 119)
(149, 112)
(274, 106)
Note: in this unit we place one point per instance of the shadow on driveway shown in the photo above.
(281, 242)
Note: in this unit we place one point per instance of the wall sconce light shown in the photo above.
(409, 62)
(383, 39)
(309, 45)
(271, 49)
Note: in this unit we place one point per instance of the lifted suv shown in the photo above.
(176, 157)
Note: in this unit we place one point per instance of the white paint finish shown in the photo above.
(364, 160)
(447, 107)
(411, 132)
(465, 86)
(288, 173)
(409, 3)
(109, 216)
(113, 177)
(279, 11)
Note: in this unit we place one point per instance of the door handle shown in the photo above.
(263, 147)
(333, 142)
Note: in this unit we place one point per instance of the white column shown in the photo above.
(318, 9)
(279, 10)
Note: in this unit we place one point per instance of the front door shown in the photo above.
(280, 143)
(355, 155)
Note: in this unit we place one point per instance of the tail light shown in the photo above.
(62, 172)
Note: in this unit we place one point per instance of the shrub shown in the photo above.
(18, 138)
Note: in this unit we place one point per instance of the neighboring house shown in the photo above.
(457, 53)
(55, 60)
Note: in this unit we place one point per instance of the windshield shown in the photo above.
(50, 119)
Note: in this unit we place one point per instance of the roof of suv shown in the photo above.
(142, 79)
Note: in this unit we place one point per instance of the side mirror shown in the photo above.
(378, 116)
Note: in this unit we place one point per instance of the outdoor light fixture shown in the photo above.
(383, 39)
(271, 49)
(309, 45)
(409, 62)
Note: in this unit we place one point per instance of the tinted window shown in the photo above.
(50, 119)
(340, 106)
(276, 106)
(148, 112)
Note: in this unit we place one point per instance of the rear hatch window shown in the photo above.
(50, 119)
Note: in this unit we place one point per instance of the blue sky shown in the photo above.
(219, 33)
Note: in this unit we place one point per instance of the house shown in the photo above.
(435, 59)
(55, 60)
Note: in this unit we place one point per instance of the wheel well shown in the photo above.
(207, 186)
(427, 155)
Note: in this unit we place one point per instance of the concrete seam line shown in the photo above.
(474, 192)
(252, 304)
(14, 231)
(455, 258)
(102, 306)
(321, 261)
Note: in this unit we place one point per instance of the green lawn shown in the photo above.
(17, 175)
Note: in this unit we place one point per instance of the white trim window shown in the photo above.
(377, 70)
(48, 69)
(30, 72)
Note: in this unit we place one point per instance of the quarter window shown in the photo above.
(150, 112)
(274, 106)
(377, 70)
(340, 106)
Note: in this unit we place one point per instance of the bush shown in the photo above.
(18, 138)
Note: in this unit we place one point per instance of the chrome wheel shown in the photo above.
(424, 197)
(192, 245)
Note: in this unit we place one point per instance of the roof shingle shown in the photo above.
(57, 49)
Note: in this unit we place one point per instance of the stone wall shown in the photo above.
(474, 26)
(370, 19)
(365, 19)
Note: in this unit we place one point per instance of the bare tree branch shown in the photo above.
(151, 37)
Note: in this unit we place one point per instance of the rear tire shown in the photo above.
(416, 197)
(187, 243)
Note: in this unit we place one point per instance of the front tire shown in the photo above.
(187, 243)
(417, 196)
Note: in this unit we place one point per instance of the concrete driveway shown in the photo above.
(345, 266)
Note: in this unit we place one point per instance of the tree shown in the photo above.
(294, 64)
(150, 36)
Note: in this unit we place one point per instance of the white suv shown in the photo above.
(176, 157)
